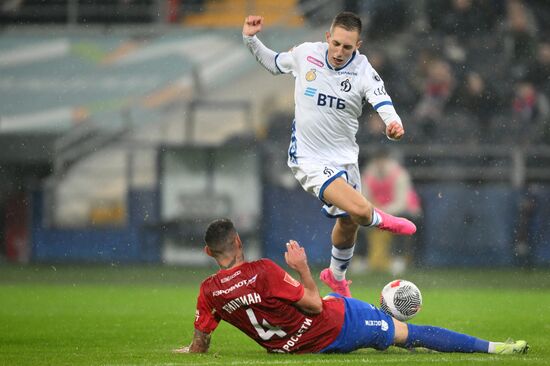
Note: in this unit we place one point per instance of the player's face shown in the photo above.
(342, 44)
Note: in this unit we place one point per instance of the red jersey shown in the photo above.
(257, 298)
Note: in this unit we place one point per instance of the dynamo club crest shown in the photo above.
(311, 75)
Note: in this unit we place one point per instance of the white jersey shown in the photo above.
(329, 101)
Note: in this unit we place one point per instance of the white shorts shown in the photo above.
(314, 177)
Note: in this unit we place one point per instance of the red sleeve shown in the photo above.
(281, 284)
(206, 319)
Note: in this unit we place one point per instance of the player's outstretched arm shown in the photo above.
(200, 343)
(296, 259)
(264, 55)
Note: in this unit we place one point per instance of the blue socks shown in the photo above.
(444, 340)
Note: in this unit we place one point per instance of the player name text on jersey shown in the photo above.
(247, 299)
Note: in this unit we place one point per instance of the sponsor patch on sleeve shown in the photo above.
(291, 281)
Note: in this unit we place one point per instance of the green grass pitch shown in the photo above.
(136, 315)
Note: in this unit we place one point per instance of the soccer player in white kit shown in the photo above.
(333, 80)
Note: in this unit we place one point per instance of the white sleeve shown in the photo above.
(285, 61)
(275, 63)
(376, 95)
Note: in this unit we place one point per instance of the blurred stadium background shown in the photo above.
(127, 125)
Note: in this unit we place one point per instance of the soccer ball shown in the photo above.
(401, 299)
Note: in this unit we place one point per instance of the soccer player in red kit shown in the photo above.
(287, 316)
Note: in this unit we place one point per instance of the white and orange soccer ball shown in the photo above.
(401, 299)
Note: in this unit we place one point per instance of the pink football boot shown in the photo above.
(396, 225)
(340, 287)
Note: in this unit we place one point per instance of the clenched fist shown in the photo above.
(252, 25)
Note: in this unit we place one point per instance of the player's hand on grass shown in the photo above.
(252, 25)
(295, 256)
(184, 349)
(394, 130)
